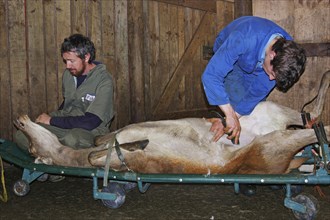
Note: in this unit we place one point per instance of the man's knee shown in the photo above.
(21, 140)
(77, 139)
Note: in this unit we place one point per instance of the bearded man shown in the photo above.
(87, 107)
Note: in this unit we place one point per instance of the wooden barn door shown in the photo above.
(176, 36)
(181, 90)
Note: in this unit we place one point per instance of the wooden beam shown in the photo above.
(195, 44)
(317, 49)
(204, 5)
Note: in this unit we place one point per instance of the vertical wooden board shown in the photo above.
(63, 30)
(279, 11)
(79, 17)
(108, 31)
(17, 58)
(312, 21)
(51, 51)
(176, 48)
(180, 98)
(123, 89)
(36, 58)
(188, 33)
(192, 78)
(181, 31)
(209, 38)
(94, 23)
(108, 47)
(153, 24)
(195, 74)
(164, 54)
(5, 95)
(225, 13)
(242, 8)
(146, 60)
(189, 78)
(135, 59)
(110, 63)
(173, 37)
(17, 55)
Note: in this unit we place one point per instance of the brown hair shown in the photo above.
(288, 63)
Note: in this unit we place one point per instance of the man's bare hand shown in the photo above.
(217, 128)
(233, 128)
(43, 118)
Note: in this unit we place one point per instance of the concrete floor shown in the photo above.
(72, 199)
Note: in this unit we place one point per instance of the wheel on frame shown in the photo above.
(311, 204)
(21, 188)
(117, 189)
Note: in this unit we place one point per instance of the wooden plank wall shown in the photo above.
(141, 42)
(30, 38)
(308, 21)
(144, 43)
(176, 61)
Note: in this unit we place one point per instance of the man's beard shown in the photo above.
(80, 72)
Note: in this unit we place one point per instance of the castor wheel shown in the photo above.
(311, 204)
(117, 189)
(21, 188)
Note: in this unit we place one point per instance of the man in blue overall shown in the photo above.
(87, 89)
(252, 55)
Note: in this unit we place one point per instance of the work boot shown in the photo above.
(55, 178)
(52, 178)
(129, 186)
(43, 177)
(247, 189)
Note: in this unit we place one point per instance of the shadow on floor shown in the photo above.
(72, 198)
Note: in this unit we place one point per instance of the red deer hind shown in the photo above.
(185, 145)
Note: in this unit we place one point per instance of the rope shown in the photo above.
(4, 196)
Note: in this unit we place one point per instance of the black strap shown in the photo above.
(120, 155)
(306, 117)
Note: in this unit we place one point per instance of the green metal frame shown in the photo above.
(13, 154)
